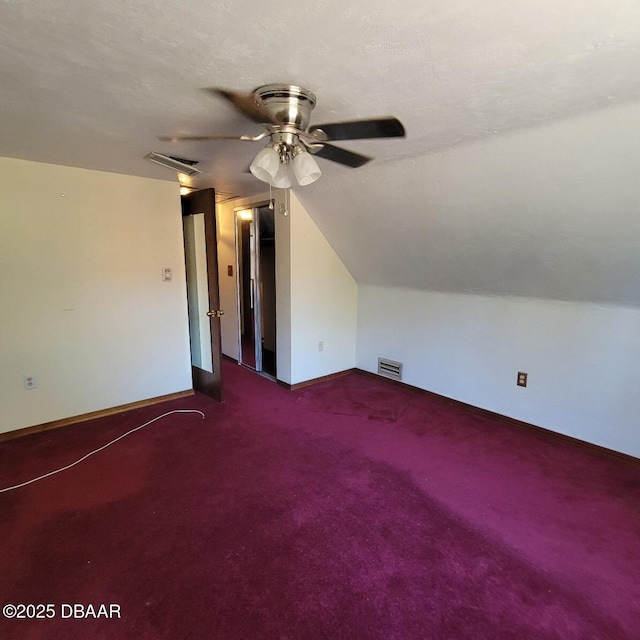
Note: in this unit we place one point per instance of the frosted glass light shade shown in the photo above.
(282, 179)
(266, 164)
(306, 169)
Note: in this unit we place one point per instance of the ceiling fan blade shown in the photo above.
(359, 129)
(245, 104)
(341, 156)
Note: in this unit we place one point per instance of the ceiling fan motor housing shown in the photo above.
(286, 104)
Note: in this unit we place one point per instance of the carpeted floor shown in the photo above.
(352, 509)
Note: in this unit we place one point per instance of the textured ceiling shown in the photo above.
(94, 84)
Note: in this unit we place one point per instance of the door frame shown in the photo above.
(256, 289)
(204, 201)
(254, 285)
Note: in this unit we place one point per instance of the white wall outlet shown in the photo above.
(29, 381)
(166, 274)
(321, 345)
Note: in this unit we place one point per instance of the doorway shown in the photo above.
(203, 297)
(256, 280)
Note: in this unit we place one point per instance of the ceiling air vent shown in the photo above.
(390, 368)
(181, 165)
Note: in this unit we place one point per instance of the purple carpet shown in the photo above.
(352, 509)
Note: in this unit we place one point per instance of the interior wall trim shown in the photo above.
(56, 424)
(308, 383)
(510, 421)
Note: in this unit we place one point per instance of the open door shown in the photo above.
(201, 255)
(256, 273)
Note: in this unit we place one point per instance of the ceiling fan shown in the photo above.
(285, 111)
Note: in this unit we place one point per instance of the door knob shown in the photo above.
(218, 313)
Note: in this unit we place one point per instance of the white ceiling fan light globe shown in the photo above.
(266, 164)
(306, 168)
(282, 179)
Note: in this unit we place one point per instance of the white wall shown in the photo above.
(83, 304)
(323, 302)
(283, 285)
(582, 359)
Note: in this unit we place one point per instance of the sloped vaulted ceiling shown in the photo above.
(550, 212)
(518, 172)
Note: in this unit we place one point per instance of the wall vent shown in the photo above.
(390, 368)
